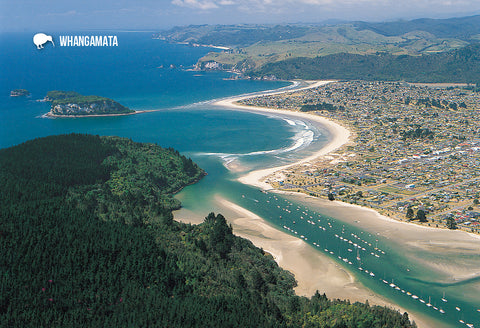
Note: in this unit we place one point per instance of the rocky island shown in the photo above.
(73, 104)
(19, 93)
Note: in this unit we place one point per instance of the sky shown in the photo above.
(67, 15)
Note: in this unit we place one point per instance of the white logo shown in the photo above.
(41, 38)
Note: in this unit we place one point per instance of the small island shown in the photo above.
(73, 104)
(19, 93)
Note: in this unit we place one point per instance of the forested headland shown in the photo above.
(87, 239)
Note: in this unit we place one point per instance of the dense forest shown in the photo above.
(462, 65)
(87, 239)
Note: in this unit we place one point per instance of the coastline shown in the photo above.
(49, 115)
(313, 270)
(413, 235)
(339, 134)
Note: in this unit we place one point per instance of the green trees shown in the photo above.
(421, 216)
(83, 244)
(221, 237)
(451, 224)
(461, 65)
(410, 213)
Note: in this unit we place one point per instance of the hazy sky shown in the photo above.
(64, 15)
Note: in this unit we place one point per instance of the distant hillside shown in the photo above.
(231, 35)
(463, 28)
(462, 65)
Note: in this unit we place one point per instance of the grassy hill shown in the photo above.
(462, 66)
(256, 48)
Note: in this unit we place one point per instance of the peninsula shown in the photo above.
(73, 104)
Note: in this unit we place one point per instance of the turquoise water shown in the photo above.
(132, 75)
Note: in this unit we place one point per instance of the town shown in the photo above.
(414, 154)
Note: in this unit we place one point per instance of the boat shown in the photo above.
(443, 298)
(441, 311)
(372, 274)
(429, 304)
(457, 308)
(414, 297)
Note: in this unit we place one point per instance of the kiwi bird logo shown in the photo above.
(41, 38)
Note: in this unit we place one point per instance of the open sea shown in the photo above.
(145, 74)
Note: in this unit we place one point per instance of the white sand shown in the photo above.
(313, 270)
(339, 135)
(305, 262)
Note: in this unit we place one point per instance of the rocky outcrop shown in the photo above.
(89, 108)
(69, 103)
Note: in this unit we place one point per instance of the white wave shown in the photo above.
(289, 121)
(302, 140)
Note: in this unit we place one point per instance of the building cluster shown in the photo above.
(414, 147)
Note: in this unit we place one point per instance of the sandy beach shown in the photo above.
(412, 236)
(305, 262)
(338, 134)
(50, 115)
(312, 269)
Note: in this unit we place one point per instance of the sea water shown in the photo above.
(147, 74)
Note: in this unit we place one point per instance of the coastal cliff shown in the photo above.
(69, 103)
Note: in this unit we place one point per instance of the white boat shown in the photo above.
(443, 298)
(372, 274)
(429, 304)
(414, 297)
(441, 311)
(457, 308)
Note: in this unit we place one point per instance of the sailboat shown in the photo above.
(443, 298)
(429, 300)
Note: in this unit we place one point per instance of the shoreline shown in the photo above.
(49, 115)
(300, 258)
(438, 240)
(339, 135)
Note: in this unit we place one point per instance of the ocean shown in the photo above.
(147, 74)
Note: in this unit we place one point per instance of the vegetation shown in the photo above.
(451, 224)
(403, 50)
(461, 65)
(73, 103)
(87, 239)
(464, 28)
(320, 106)
(421, 216)
(19, 93)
